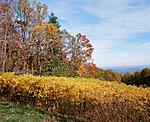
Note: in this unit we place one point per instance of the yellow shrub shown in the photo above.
(90, 99)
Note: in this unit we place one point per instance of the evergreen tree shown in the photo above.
(54, 20)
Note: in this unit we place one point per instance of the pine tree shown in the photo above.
(54, 20)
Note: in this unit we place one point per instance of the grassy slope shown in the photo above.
(10, 112)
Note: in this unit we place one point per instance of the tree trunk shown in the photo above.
(32, 69)
(24, 67)
(5, 48)
(40, 66)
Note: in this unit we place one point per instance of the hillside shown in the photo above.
(89, 99)
(10, 112)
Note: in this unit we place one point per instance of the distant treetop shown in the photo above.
(54, 20)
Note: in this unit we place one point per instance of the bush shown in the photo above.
(89, 99)
(106, 75)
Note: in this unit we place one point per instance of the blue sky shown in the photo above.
(118, 29)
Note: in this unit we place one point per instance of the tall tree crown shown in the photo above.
(54, 20)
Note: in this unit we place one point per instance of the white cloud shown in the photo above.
(117, 20)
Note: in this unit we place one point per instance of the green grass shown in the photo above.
(10, 112)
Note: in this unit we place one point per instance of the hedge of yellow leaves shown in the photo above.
(79, 98)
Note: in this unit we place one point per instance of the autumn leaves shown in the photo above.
(31, 45)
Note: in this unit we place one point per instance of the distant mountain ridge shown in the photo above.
(125, 69)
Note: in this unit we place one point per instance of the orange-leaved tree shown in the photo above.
(89, 70)
(78, 49)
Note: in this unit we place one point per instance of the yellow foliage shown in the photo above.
(47, 33)
(70, 95)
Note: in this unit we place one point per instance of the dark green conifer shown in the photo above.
(54, 20)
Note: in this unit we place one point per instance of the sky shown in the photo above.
(119, 30)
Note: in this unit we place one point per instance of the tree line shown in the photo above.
(31, 41)
(139, 78)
